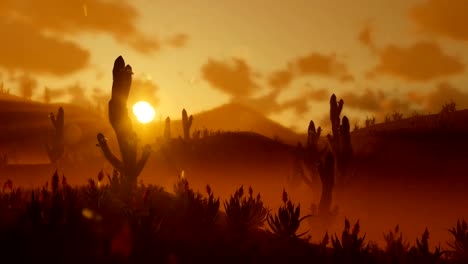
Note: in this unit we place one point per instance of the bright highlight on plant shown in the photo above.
(144, 112)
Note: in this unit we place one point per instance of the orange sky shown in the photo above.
(283, 58)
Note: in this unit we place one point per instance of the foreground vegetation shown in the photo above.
(116, 218)
(185, 226)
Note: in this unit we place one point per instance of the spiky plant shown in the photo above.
(286, 222)
(245, 213)
(352, 246)
(396, 247)
(459, 244)
(421, 251)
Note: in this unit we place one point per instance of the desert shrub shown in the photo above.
(286, 223)
(196, 214)
(449, 107)
(243, 213)
(396, 116)
(356, 126)
(459, 244)
(420, 253)
(54, 207)
(396, 247)
(370, 121)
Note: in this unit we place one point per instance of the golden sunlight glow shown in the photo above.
(144, 112)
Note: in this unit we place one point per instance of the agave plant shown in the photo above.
(351, 245)
(421, 250)
(460, 242)
(396, 245)
(245, 213)
(196, 215)
(286, 223)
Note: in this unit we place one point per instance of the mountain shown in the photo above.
(238, 117)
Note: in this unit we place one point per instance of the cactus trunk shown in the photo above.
(56, 150)
(167, 128)
(186, 124)
(327, 176)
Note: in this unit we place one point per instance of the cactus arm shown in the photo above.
(102, 142)
(144, 158)
(53, 120)
(49, 151)
(189, 124)
(340, 107)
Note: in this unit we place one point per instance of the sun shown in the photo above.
(144, 112)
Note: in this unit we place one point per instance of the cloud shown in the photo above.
(422, 61)
(443, 93)
(144, 90)
(281, 79)
(35, 33)
(322, 65)
(234, 77)
(28, 50)
(178, 40)
(366, 38)
(78, 95)
(369, 100)
(442, 17)
(268, 104)
(376, 102)
(117, 18)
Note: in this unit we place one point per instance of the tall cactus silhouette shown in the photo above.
(56, 150)
(129, 167)
(313, 136)
(327, 177)
(186, 124)
(311, 154)
(340, 139)
(167, 128)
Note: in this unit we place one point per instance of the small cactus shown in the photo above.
(167, 128)
(186, 124)
(3, 160)
(56, 150)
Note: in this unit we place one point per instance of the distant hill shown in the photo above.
(238, 117)
(25, 127)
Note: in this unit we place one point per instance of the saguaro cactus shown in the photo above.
(340, 140)
(327, 177)
(56, 150)
(186, 124)
(167, 128)
(313, 135)
(129, 167)
(311, 154)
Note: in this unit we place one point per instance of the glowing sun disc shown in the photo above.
(144, 112)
